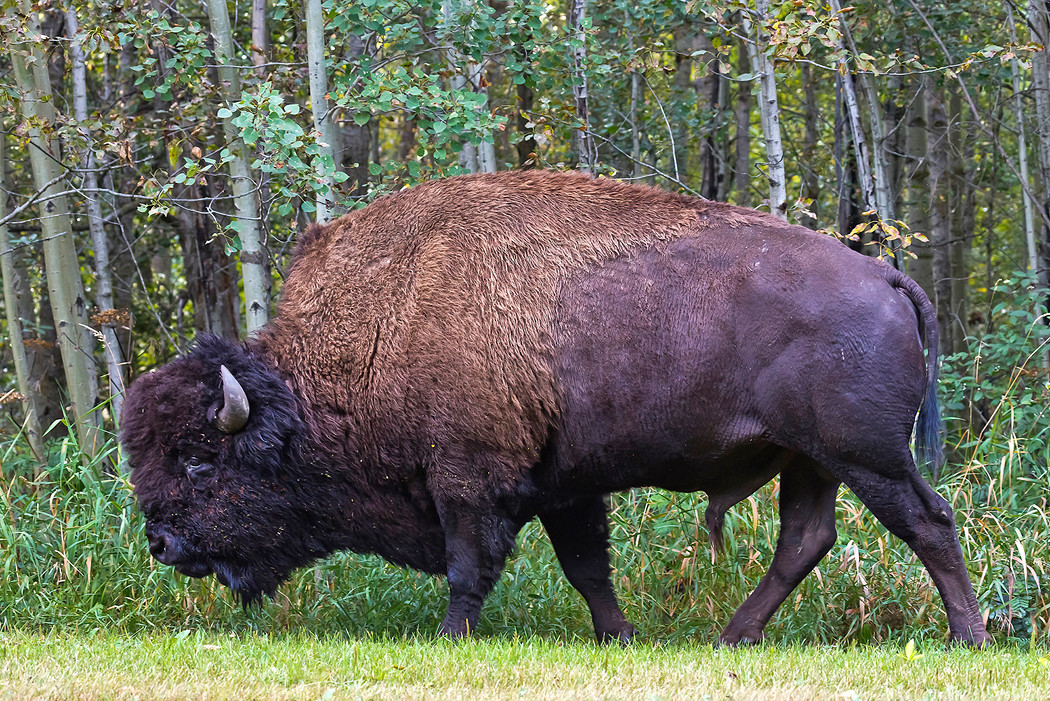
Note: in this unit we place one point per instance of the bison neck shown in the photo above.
(361, 509)
(362, 500)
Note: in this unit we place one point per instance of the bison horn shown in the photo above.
(234, 412)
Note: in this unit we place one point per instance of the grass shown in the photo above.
(307, 666)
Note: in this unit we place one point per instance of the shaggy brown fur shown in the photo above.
(440, 302)
(461, 357)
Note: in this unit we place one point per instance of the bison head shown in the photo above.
(214, 440)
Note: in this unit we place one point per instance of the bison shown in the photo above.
(466, 355)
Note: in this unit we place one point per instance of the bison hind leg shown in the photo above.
(912, 510)
(807, 532)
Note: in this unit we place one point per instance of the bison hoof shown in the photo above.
(622, 635)
(974, 641)
(739, 639)
(456, 630)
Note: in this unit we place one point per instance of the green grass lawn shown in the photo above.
(306, 666)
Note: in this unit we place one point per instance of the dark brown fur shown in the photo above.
(461, 357)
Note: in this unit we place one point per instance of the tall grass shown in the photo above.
(73, 554)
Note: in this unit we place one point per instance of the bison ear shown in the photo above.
(233, 414)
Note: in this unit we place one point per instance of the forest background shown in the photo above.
(158, 158)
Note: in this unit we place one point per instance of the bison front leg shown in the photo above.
(477, 543)
(807, 532)
(579, 533)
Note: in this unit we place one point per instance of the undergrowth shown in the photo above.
(73, 553)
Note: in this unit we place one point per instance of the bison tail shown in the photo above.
(929, 439)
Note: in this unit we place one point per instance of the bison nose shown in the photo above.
(162, 547)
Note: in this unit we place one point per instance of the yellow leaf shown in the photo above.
(174, 151)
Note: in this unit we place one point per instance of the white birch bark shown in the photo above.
(1040, 29)
(31, 412)
(65, 288)
(115, 364)
(319, 105)
(1022, 153)
(878, 191)
(486, 150)
(260, 37)
(255, 264)
(467, 75)
(582, 138)
(768, 107)
(860, 141)
(1031, 237)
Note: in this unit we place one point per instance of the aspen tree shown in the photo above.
(66, 291)
(107, 316)
(768, 107)
(255, 263)
(30, 398)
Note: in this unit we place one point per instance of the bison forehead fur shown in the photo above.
(461, 357)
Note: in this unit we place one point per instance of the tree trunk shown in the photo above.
(357, 138)
(583, 144)
(255, 261)
(31, 400)
(742, 160)
(769, 108)
(964, 221)
(810, 139)
(107, 317)
(62, 266)
(46, 372)
(940, 216)
(848, 214)
(636, 95)
(709, 88)
(325, 196)
(860, 143)
(1039, 22)
(211, 282)
(684, 98)
(527, 147)
(918, 191)
(260, 38)
(480, 158)
(486, 147)
(881, 186)
(468, 153)
(1022, 154)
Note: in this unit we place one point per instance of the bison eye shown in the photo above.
(197, 469)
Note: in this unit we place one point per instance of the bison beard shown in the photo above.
(467, 355)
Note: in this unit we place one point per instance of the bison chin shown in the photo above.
(248, 585)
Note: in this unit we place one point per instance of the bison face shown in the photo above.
(214, 442)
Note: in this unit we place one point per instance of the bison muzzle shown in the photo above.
(464, 356)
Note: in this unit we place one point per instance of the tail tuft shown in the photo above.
(929, 434)
(929, 438)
